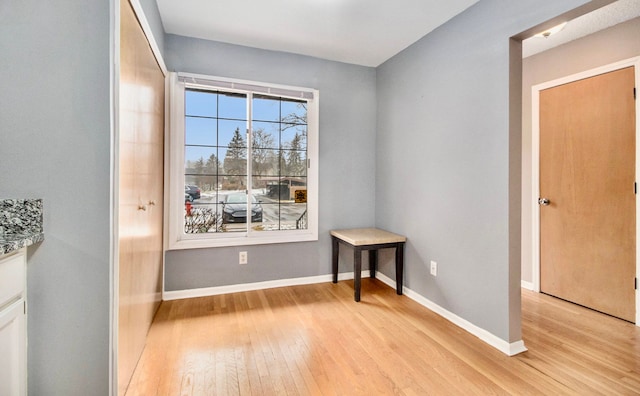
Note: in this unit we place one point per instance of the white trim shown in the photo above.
(509, 349)
(243, 86)
(516, 348)
(114, 74)
(244, 287)
(146, 28)
(166, 195)
(535, 189)
(496, 342)
(535, 160)
(526, 285)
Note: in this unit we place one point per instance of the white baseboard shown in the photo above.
(509, 349)
(526, 285)
(243, 287)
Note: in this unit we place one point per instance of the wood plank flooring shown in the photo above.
(315, 340)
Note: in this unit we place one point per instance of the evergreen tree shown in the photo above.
(235, 161)
(212, 165)
(199, 166)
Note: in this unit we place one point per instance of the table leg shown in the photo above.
(373, 262)
(357, 271)
(334, 258)
(399, 267)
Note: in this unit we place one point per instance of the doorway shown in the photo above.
(572, 260)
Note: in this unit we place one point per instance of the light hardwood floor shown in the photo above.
(315, 340)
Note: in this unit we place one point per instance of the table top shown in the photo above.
(367, 236)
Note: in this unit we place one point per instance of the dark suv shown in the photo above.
(193, 191)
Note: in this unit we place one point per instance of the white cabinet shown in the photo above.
(13, 331)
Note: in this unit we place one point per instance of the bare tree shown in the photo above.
(263, 152)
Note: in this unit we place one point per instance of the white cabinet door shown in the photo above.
(13, 345)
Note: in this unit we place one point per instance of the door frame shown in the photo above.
(535, 162)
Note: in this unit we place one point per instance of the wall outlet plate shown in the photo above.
(434, 268)
(243, 258)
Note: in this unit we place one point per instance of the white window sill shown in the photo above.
(240, 239)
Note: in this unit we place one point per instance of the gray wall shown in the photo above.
(444, 148)
(152, 14)
(347, 160)
(607, 46)
(54, 144)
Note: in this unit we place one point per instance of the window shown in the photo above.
(246, 155)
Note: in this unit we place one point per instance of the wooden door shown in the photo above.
(141, 150)
(587, 172)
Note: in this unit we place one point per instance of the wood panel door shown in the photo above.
(587, 174)
(141, 152)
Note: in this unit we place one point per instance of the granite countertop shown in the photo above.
(20, 223)
(9, 243)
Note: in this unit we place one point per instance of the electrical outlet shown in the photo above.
(243, 258)
(434, 268)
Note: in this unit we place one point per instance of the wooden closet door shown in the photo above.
(141, 150)
(587, 172)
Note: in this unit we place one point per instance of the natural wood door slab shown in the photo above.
(587, 171)
(141, 150)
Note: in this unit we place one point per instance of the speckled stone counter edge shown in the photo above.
(20, 223)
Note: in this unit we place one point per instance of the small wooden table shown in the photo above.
(370, 239)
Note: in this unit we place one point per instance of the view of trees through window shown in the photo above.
(234, 180)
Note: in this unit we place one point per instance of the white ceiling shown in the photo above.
(607, 16)
(363, 32)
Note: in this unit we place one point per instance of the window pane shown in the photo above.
(294, 137)
(294, 112)
(266, 108)
(199, 103)
(200, 131)
(200, 160)
(293, 163)
(232, 133)
(266, 134)
(234, 161)
(281, 210)
(234, 205)
(232, 106)
(265, 162)
(201, 218)
(202, 189)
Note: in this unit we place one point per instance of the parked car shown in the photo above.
(187, 198)
(234, 208)
(194, 191)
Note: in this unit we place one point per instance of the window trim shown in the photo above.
(174, 163)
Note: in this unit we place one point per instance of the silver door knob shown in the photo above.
(543, 201)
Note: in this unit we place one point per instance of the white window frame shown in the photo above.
(174, 163)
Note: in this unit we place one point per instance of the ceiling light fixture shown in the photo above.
(551, 31)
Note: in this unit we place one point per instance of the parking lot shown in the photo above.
(275, 214)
